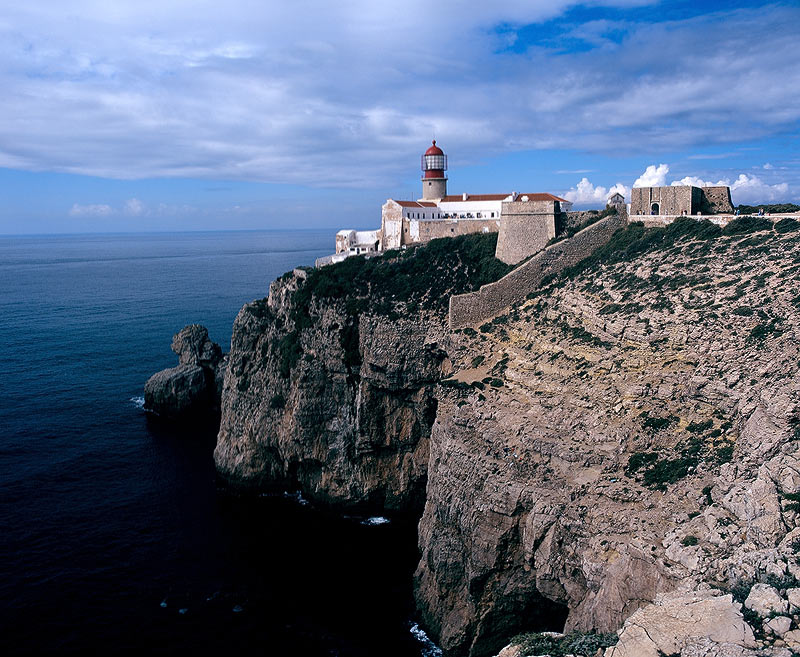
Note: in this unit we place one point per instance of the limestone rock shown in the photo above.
(638, 444)
(666, 626)
(632, 438)
(193, 347)
(341, 408)
(177, 392)
(793, 596)
(764, 600)
(779, 625)
(792, 639)
(190, 391)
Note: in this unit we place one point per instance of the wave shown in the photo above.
(375, 520)
(138, 402)
(427, 647)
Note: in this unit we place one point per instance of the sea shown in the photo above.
(116, 538)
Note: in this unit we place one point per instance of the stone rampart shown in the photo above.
(477, 307)
(525, 228)
(717, 200)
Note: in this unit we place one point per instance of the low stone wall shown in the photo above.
(477, 307)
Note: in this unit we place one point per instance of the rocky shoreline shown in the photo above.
(619, 451)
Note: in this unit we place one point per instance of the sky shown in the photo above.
(121, 116)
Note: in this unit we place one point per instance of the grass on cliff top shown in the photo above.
(421, 277)
(635, 240)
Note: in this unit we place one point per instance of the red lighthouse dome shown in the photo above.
(434, 182)
(434, 162)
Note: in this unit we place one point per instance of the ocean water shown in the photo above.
(115, 537)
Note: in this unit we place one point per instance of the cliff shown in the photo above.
(625, 440)
(331, 379)
(617, 453)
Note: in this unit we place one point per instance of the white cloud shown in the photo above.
(95, 210)
(768, 166)
(653, 176)
(269, 92)
(134, 207)
(744, 189)
(751, 189)
(585, 193)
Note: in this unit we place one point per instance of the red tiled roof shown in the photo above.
(474, 197)
(415, 204)
(537, 196)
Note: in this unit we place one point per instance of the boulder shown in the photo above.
(779, 625)
(675, 619)
(193, 347)
(764, 600)
(191, 390)
(177, 391)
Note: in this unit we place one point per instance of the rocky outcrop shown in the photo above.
(191, 390)
(617, 452)
(332, 378)
(341, 409)
(629, 434)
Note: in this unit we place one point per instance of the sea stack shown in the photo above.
(192, 389)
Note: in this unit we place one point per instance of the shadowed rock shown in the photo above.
(192, 389)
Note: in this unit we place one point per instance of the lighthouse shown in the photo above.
(434, 182)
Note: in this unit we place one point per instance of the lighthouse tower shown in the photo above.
(434, 182)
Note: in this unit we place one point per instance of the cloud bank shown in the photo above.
(747, 189)
(345, 93)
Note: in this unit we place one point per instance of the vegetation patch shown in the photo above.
(657, 423)
(288, 350)
(628, 243)
(574, 643)
(774, 208)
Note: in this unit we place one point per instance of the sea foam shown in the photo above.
(427, 647)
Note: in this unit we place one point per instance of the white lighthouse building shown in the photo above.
(530, 216)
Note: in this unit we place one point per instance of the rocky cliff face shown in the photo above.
(629, 433)
(346, 427)
(618, 453)
(331, 381)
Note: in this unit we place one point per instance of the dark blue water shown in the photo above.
(115, 536)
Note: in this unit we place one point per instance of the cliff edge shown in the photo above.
(331, 379)
(622, 449)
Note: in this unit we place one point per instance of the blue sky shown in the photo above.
(153, 115)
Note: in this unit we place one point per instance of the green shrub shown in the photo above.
(574, 643)
(639, 460)
(775, 208)
(668, 471)
(689, 540)
(787, 225)
(277, 401)
(477, 361)
(699, 427)
(742, 225)
(289, 351)
(658, 423)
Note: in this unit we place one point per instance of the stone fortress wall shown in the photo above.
(525, 228)
(679, 200)
(427, 230)
(716, 200)
(475, 308)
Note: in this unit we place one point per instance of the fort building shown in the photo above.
(525, 221)
(678, 200)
